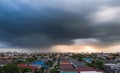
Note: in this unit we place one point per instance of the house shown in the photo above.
(40, 64)
(4, 62)
(111, 62)
(80, 70)
(66, 66)
(73, 66)
(77, 64)
(89, 70)
(27, 66)
(88, 59)
(69, 70)
(112, 68)
(34, 66)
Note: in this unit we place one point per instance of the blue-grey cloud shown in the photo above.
(43, 23)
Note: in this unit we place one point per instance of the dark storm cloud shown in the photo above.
(42, 23)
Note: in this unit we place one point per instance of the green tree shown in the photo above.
(30, 60)
(99, 64)
(24, 70)
(49, 63)
(54, 71)
(78, 56)
(1, 70)
(11, 68)
(41, 70)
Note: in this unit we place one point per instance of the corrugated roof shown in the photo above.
(27, 66)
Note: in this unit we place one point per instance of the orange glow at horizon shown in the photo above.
(90, 49)
(75, 48)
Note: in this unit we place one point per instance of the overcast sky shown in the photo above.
(41, 24)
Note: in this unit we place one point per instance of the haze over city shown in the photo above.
(60, 25)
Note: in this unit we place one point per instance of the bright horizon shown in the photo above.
(66, 48)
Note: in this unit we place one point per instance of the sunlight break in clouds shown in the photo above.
(86, 41)
(107, 14)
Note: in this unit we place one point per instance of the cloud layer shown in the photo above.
(44, 23)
